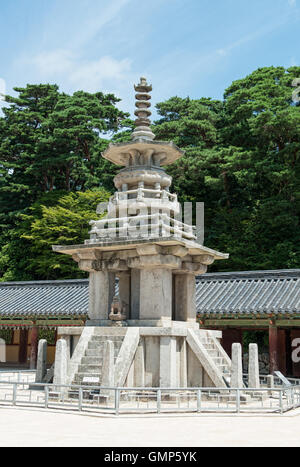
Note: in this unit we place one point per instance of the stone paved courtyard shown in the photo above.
(24, 427)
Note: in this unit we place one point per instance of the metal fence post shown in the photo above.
(293, 397)
(117, 401)
(199, 394)
(80, 397)
(158, 400)
(280, 401)
(46, 397)
(14, 394)
(238, 401)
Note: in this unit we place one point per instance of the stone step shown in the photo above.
(115, 339)
(213, 353)
(94, 353)
(209, 346)
(89, 369)
(95, 346)
(99, 346)
(218, 359)
(92, 360)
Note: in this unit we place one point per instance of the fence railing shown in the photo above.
(118, 400)
(19, 376)
(278, 383)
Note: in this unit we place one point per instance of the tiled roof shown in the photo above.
(249, 292)
(253, 292)
(68, 298)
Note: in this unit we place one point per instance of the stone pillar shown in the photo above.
(139, 365)
(101, 292)
(152, 361)
(236, 366)
(185, 297)
(135, 294)
(61, 363)
(273, 348)
(41, 369)
(168, 373)
(33, 346)
(156, 294)
(253, 367)
(183, 364)
(108, 369)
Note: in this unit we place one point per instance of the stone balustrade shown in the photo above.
(152, 225)
(142, 193)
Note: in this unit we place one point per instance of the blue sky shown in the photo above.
(184, 47)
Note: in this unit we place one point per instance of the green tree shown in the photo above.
(56, 218)
(52, 141)
(242, 159)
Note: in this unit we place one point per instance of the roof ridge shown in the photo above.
(45, 283)
(262, 274)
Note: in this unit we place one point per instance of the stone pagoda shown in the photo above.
(142, 262)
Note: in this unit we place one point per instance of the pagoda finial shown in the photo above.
(142, 123)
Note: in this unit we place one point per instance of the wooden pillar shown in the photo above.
(282, 351)
(23, 345)
(34, 347)
(288, 353)
(273, 347)
(231, 336)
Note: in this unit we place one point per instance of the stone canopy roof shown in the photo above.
(249, 293)
(242, 293)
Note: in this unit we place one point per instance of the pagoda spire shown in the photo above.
(142, 123)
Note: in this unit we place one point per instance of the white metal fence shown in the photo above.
(149, 400)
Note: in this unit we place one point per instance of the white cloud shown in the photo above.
(75, 72)
(52, 62)
(292, 2)
(94, 75)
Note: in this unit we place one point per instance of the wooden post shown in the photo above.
(231, 336)
(34, 347)
(273, 347)
(23, 345)
(282, 351)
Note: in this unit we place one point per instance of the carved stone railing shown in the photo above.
(142, 193)
(147, 226)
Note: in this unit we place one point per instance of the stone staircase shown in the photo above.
(217, 355)
(92, 362)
